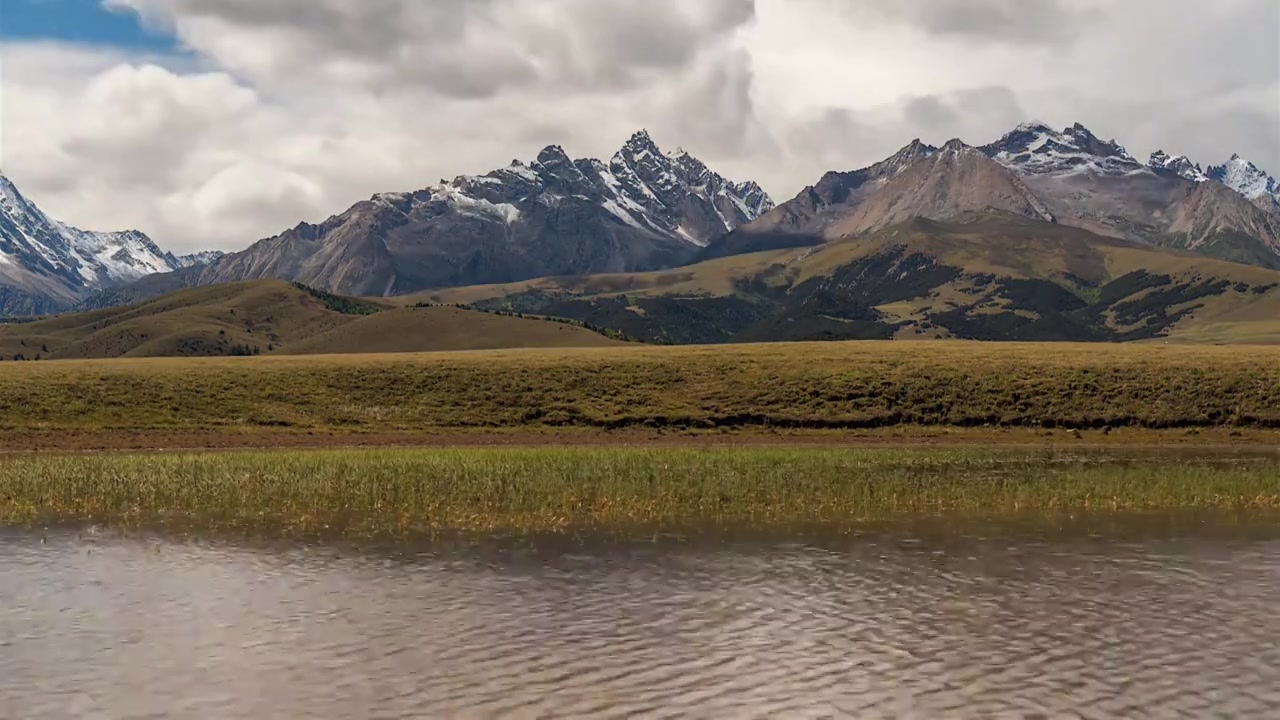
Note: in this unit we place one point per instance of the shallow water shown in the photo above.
(1117, 619)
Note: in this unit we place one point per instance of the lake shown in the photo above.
(1117, 617)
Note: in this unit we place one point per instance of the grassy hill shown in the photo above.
(986, 276)
(275, 317)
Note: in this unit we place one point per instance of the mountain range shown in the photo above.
(645, 210)
(47, 266)
(1068, 177)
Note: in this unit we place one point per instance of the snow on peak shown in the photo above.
(1180, 165)
(1033, 126)
(82, 258)
(205, 257)
(641, 187)
(1034, 148)
(1246, 178)
(553, 155)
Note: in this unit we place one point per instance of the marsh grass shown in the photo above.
(399, 493)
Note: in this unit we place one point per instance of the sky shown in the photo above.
(210, 124)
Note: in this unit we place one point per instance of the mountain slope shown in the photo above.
(917, 181)
(1097, 185)
(986, 275)
(642, 210)
(46, 266)
(275, 317)
(1071, 177)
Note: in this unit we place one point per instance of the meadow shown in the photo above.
(832, 388)
(404, 493)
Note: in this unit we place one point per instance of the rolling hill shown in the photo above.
(276, 317)
(985, 275)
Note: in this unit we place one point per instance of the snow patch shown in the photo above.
(620, 213)
(468, 205)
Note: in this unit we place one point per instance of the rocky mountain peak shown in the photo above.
(48, 265)
(639, 142)
(1035, 149)
(1249, 180)
(553, 156)
(1092, 144)
(1179, 165)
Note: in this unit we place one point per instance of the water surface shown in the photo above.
(1163, 619)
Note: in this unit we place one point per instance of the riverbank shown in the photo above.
(398, 493)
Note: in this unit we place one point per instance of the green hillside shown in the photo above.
(987, 276)
(275, 317)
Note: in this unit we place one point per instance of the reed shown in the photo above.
(401, 493)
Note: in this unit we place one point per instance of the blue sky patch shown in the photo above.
(79, 21)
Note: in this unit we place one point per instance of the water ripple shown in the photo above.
(876, 626)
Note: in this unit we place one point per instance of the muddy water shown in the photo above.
(1150, 619)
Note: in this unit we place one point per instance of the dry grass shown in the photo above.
(445, 329)
(803, 386)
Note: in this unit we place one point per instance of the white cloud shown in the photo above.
(291, 110)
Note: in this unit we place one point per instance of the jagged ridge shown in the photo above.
(642, 210)
(46, 265)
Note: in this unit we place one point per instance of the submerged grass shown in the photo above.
(416, 492)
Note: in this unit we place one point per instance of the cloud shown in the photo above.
(840, 138)
(290, 110)
(457, 48)
(1008, 21)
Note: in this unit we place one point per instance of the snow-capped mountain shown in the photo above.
(1179, 165)
(1250, 181)
(1035, 148)
(1070, 177)
(194, 259)
(642, 210)
(46, 265)
(1097, 185)
(918, 181)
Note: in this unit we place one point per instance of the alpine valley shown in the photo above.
(1043, 234)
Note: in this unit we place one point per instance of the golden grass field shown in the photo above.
(675, 403)
(822, 388)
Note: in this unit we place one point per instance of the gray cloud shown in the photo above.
(844, 139)
(458, 48)
(1010, 21)
(289, 110)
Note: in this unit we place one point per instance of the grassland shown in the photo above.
(271, 316)
(835, 389)
(990, 277)
(406, 493)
